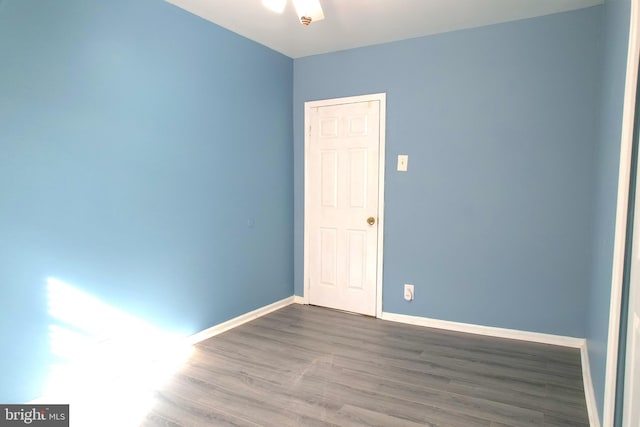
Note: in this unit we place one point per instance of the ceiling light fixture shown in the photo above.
(307, 10)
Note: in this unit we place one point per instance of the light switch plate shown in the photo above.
(403, 162)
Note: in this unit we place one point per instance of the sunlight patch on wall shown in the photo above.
(106, 358)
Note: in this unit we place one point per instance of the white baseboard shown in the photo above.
(491, 331)
(237, 321)
(589, 393)
(298, 299)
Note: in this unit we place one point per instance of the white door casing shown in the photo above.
(631, 416)
(344, 170)
(631, 403)
(624, 174)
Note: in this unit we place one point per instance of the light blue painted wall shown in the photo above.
(615, 45)
(492, 223)
(136, 143)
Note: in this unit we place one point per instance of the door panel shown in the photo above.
(356, 255)
(327, 256)
(357, 174)
(329, 178)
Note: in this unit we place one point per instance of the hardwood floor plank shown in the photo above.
(366, 417)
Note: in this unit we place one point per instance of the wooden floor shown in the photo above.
(309, 366)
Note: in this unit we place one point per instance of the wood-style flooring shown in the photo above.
(309, 366)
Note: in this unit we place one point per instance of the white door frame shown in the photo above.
(624, 176)
(382, 98)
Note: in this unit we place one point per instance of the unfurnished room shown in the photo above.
(319, 213)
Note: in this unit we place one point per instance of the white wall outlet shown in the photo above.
(403, 162)
(408, 292)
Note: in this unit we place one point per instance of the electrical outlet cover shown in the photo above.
(403, 162)
(409, 292)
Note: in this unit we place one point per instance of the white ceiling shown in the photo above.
(356, 23)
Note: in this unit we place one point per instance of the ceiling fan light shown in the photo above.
(276, 6)
(309, 9)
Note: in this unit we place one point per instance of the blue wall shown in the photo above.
(145, 158)
(615, 45)
(493, 221)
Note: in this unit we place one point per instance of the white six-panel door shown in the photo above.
(342, 210)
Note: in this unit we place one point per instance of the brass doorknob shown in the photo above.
(371, 220)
